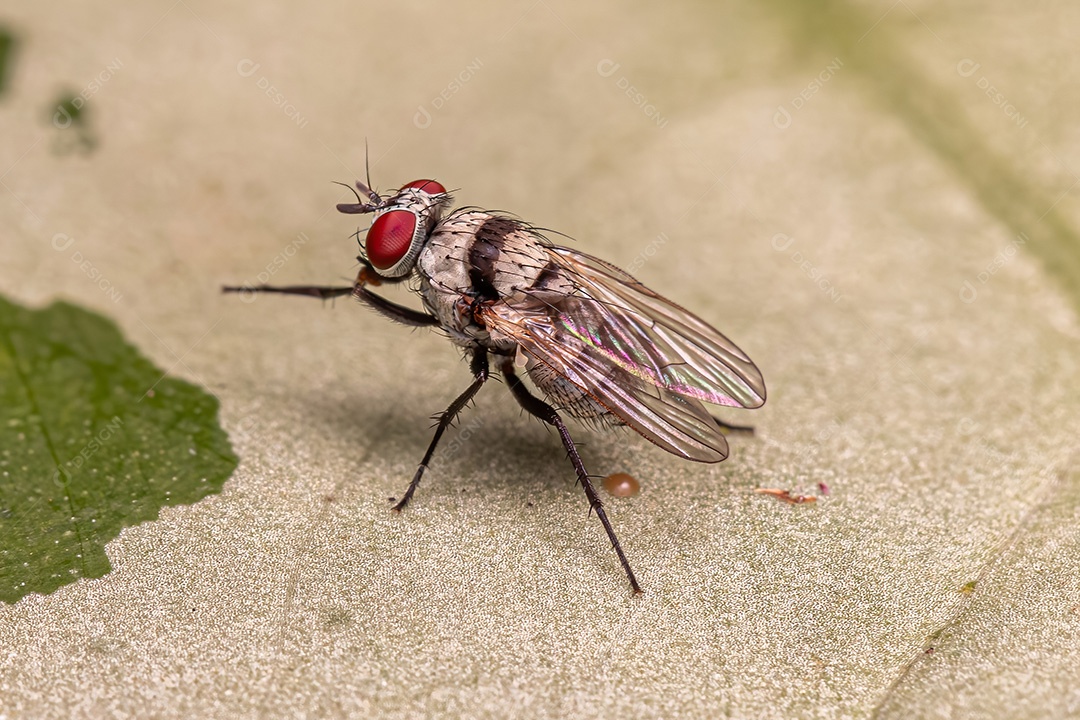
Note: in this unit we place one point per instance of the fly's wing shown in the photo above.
(645, 359)
(658, 341)
(678, 424)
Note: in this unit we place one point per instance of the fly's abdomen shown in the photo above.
(567, 396)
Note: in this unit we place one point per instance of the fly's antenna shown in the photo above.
(367, 163)
(374, 200)
(351, 189)
(360, 207)
(373, 196)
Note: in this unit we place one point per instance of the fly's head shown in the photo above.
(403, 222)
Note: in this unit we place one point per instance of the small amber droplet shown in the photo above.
(366, 277)
(621, 485)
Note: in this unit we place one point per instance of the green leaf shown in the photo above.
(7, 56)
(94, 438)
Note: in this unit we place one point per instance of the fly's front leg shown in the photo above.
(479, 368)
(386, 308)
(538, 408)
(316, 291)
(397, 313)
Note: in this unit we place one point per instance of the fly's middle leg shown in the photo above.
(540, 409)
(479, 368)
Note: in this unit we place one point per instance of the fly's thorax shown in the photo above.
(474, 256)
(443, 261)
(480, 254)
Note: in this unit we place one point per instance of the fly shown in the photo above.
(598, 344)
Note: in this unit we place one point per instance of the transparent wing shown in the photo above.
(678, 424)
(655, 339)
(644, 358)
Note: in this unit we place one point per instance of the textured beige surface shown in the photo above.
(833, 249)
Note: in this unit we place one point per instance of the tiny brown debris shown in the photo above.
(786, 496)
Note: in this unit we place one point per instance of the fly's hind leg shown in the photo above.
(480, 374)
(538, 408)
(729, 429)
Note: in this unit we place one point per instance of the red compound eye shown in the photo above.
(390, 237)
(431, 187)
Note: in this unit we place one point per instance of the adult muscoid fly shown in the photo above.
(598, 344)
